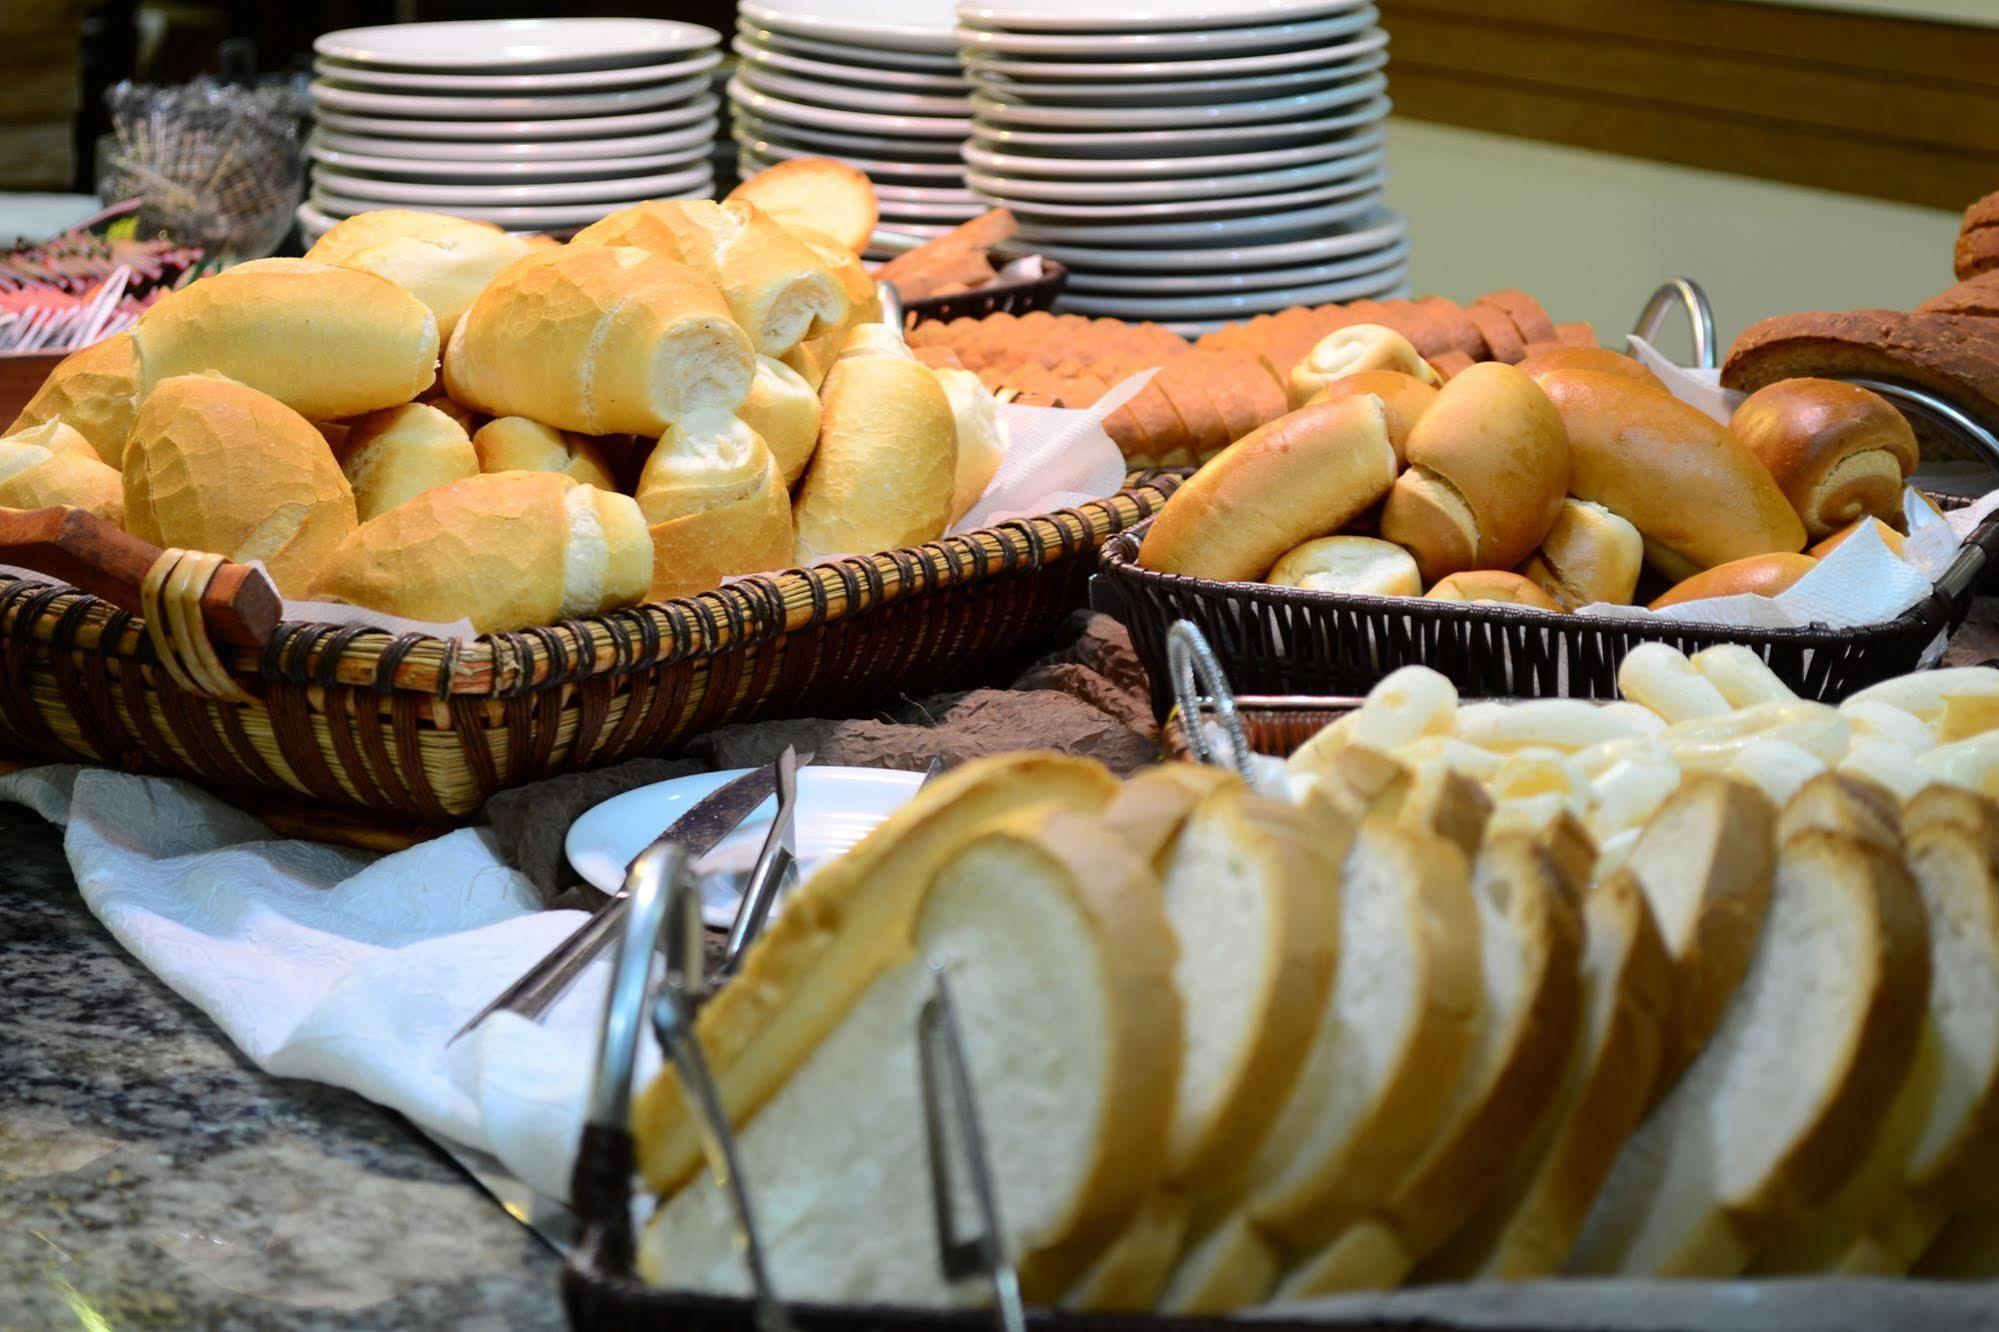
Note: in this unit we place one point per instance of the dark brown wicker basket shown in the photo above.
(1006, 296)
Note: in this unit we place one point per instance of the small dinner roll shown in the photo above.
(1836, 450)
(1404, 397)
(396, 454)
(1589, 555)
(1352, 350)
(1356, 564)
(516, 444)
(52, 464)
(1604, 359)
(1890, 538)
(1492, 585)
(715, 504)
(1760, 575)
(784, 409)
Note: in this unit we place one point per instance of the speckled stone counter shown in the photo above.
(151, 1177)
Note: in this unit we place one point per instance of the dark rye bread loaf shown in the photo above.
(1977, 296)
(1978, 239)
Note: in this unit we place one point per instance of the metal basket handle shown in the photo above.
(1188, 656)
(1686, 294)
(891, 300)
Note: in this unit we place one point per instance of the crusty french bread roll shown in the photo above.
(777, 289)
(981, 437)
(887, 462)
(506, 551)
(784, 410)
(1500, 586)
(1304, 475)
(1404, 397)
(834, 198)
(396, 454)
(602, 340)
(1356, 349)
(94, 391)
(51, 464)
(1837, 451)
(1890, 538)
(445, 262)
(811, 360)
(516, 444)
(1601, 359)
(1488, 466)
(218, 466)
(327, 342)
(716, 504)
(1697, 495)
(1353, 564)
(1589, 555)
(864, 302)
(1759, 575)
(875, 339)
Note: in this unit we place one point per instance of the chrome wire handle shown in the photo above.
(1188, 656)
(1685, 294)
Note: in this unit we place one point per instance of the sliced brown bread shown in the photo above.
(1977, 296)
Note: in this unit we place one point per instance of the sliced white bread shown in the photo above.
(845, 927)
(1060, 964)
(1367, 784)
(1527, 1227)
(1127, 1275)
(1530, 951)
(1149, 811)
(1763, 1125)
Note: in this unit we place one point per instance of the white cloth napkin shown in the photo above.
(340, 966)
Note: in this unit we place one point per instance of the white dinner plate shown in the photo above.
(1255, 228)
(1094, 174)
(1174, 92)
(522, 131)
(551, 217)
(906, 25)
(1023, 190)
(953, 84)
(846, 122)
(942, 61)
(623, 102)
(825, 92)
(700, 134)
(767, 152)
(616, 191)
(896, 212)
(312, 224)
(1175, 143)
(571, 168)
(1178, 117)
(1383, 229)
(1129, 15)
(521, 45)
(1093, 283)
(978, 63)
(1250, 40)
(837, 807)
(884, 147)
(1225, 205)
(1164, 308)
(512, 85)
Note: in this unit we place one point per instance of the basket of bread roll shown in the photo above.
(973, 272)
(1699, 984)
(670, 474)
(1521, 527)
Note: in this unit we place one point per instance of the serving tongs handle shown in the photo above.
(1684, 294)
(1189, 657)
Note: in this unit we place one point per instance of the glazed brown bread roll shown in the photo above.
(1837, 451)
(1589, 555)
(516, 444)
(1488, 466)
(1763, 575)
(93, 391)
(1696, 494)
(1353, 564)
(52, 465)
(1403, 397)
(445, 262)
(392, 456)
(886, 467)
(1306, 474)
(327, 342)
(215, 465)
(1495, 586)
(505, 551)
(1587, 358)
(716, 505)
(784, 410)
(602, 340)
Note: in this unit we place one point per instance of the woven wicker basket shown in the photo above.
(420, 729)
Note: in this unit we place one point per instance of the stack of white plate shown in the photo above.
(1190, 162)
(533, 124)
(872, 82)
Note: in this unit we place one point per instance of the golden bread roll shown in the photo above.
(1890, 538)
(506, 551)
(218, 466)
(94, 391)
(602, 340)
(886, 468)
(1837, 451)
(1589, 555)
(1492, 585)
(1488, 467)
(1696, 494)
(1404, 397)
(818, 192)
(52, 465)
(326, 341)
(784, 410)
(1353, 350)
(875, 339)
(1609, 362)
(516, 444)
(445, 262)
(777, 289)
(864, 302)
(1763, 575)
(981, 437)
(396, 454)
(1354, 564)
(811, 360)
(468, 420)
(715, 501)
(1306, 474)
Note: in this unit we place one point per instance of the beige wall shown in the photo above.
(1591, 234)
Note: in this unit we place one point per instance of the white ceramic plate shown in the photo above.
(1093, 284)
(1170, 92)
(552, 217)
(1247, 303)
(573, 168)
(980, 63)
(1023, 190)
(837, 807)
(359, 102)
(1383, 229)
(944, 61)
(895, 212)
(901, 80)
(907, 25)
(1129, 15)
(522, 131)
(1175, 143)
(1250, 40)
(1179, 117)
(1220, 206)
(879, 146)
(1094, 174)
(615, 192)
(848, 122)
(825, 92)
(766, 152)
(312, 224)
(516, 44)
(511, 85)
(1256, 228)
(700, 134)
